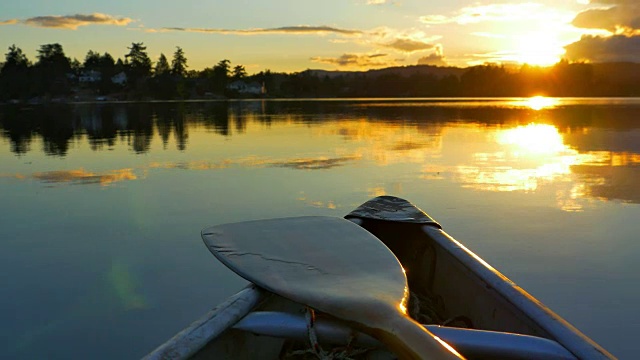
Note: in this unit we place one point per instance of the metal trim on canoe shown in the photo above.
(562, 331)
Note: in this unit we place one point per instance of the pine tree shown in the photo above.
(179, 62)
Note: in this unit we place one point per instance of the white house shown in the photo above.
(119, 78)
(90, 76)
(253, 88)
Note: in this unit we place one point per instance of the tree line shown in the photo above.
(55, 76)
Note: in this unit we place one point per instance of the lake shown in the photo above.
(101, 205)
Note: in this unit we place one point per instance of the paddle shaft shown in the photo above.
(409, 340)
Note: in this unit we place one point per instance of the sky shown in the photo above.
(295, 35)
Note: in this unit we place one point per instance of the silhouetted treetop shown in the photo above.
(239, 72)
(15, 58)
(162, 66)
(139, 63)
(179, 62)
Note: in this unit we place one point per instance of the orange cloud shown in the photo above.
(9, 22)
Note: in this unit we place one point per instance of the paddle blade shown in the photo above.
(325, 261)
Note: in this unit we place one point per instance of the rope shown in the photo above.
(339, 353)
(310, 315)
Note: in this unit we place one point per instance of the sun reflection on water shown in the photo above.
(526, 157)
(533, 139)
(541, 102)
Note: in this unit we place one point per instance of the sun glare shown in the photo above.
(534, 139)
(539, 48)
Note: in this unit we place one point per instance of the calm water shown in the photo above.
(101, 206)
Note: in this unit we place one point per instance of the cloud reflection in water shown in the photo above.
(83, 177)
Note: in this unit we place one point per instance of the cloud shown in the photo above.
(72, 22)
(409, 45)
(295, 30)
(605, 49)
(9, 22)
(494, 13)
(622, 17)
(435, 59)
(436, 19)
(488, 35)
(432, 59)
(354, 60)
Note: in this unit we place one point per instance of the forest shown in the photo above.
(55, 77)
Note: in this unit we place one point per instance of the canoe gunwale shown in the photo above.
(557, 327)
(190, 340)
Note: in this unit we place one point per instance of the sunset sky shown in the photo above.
(332, 34)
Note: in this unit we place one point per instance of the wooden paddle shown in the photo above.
(331, 265)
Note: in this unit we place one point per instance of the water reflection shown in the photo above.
(526, 157)
(307, 163)
(586, 151)
(315, 164)
(82, 176)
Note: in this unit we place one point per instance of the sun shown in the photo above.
(538, 48)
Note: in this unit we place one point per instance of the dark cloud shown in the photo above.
(622, 16)
(605, 49)
(432, 59)
(74, 21)
(354, 60)
(303, 29)
(436, 59)
(408, 45)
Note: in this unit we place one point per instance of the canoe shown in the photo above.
(455, 294)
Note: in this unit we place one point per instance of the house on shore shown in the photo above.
(119, 78)
(251, 88)
(90, 76)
